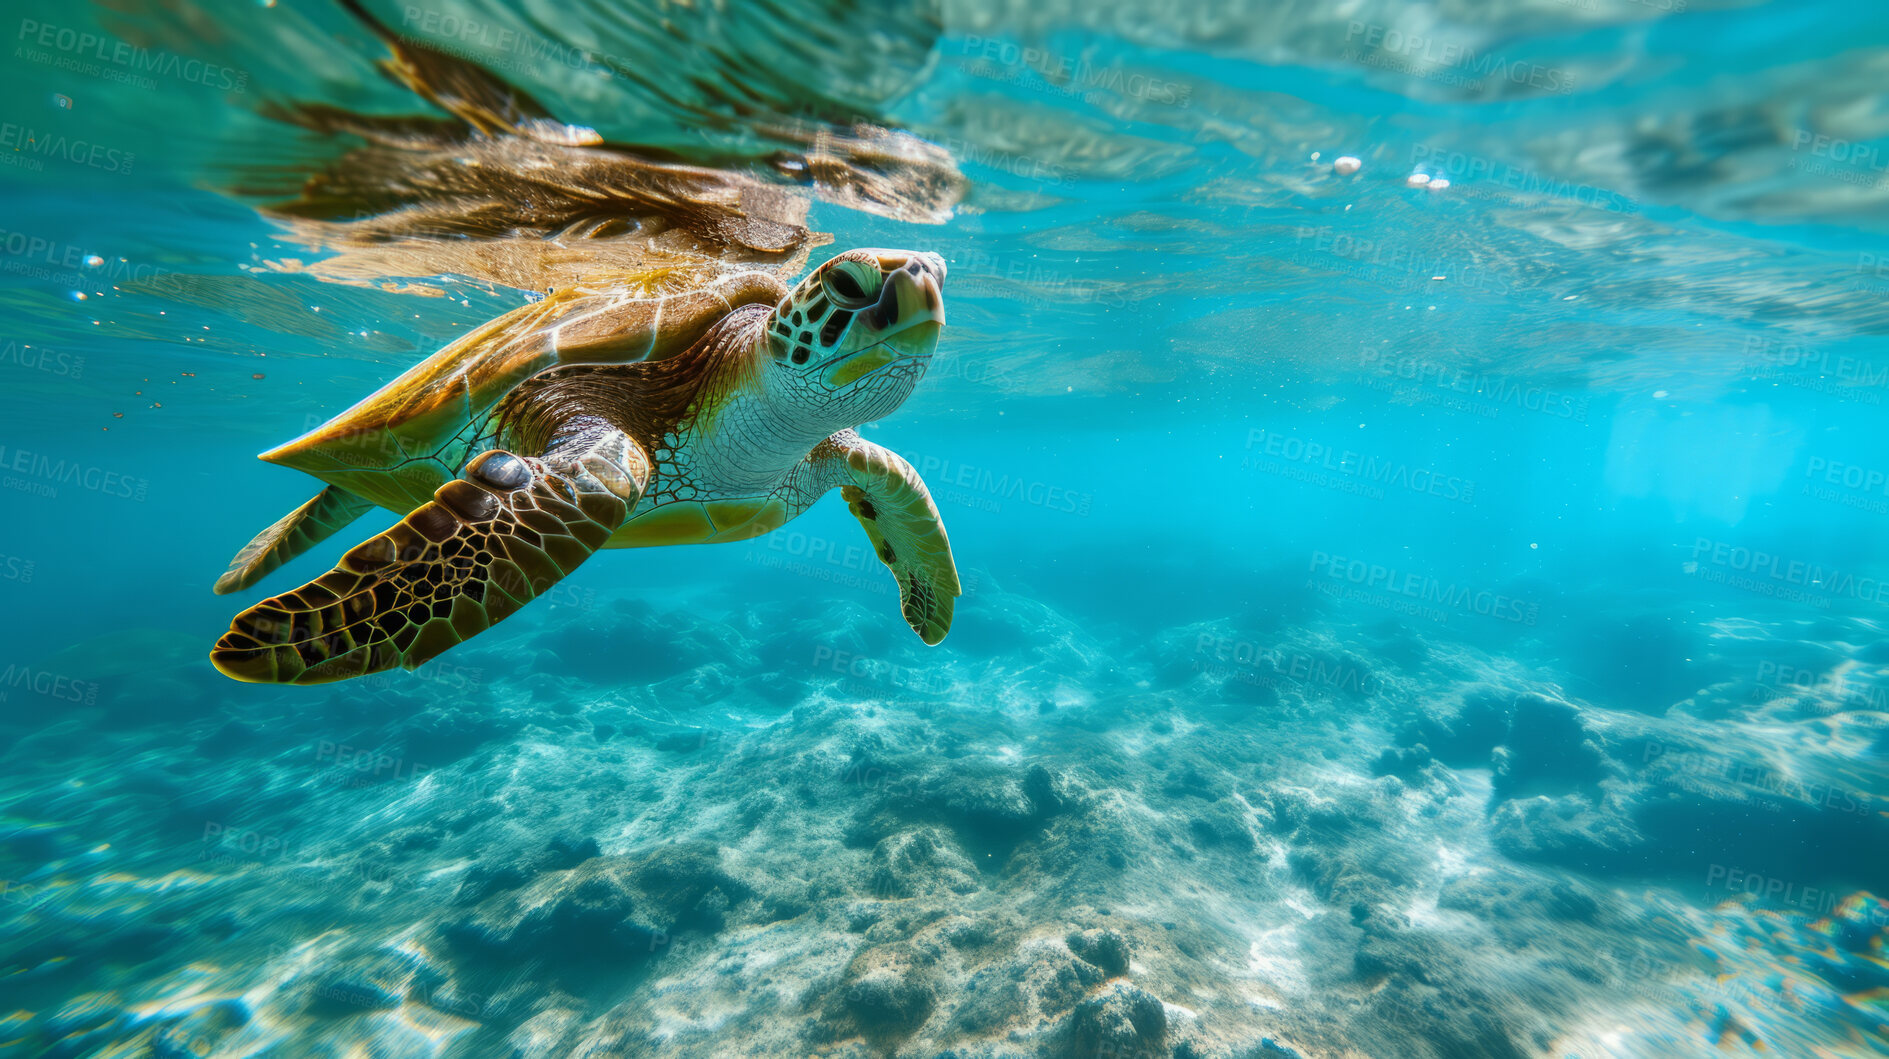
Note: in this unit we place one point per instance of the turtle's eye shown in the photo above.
(844, 287)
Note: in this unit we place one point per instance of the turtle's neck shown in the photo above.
(740, 439)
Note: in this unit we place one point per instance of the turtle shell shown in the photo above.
(412, 435)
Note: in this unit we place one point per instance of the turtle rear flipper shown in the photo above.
(293, 534)
(487, 544)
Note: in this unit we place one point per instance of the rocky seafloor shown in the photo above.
(792, 830)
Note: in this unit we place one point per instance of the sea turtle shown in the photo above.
(671, 409)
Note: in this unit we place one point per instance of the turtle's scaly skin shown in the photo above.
(723, 440)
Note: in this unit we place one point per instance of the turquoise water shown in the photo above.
(1417, 477)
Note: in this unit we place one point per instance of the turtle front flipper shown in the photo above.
(488, 543)
(293, 534)
(891, 502)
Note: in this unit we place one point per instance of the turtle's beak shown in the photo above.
(913, 294)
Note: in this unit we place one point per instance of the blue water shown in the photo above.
(1417, 475)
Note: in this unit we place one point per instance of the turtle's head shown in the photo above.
(850, 341)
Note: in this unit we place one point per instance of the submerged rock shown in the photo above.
(605, 910)
(1036, 985)
(1222, 825)
(886, 992)
(1121, 1020)
(921, 861)
(362, 979)
(1106, 949)
(1536, 745)
(201, 1031)
(1404, 762)
(542, 1035)
(486, 878)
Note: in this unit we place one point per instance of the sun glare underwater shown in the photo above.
(945, 529)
